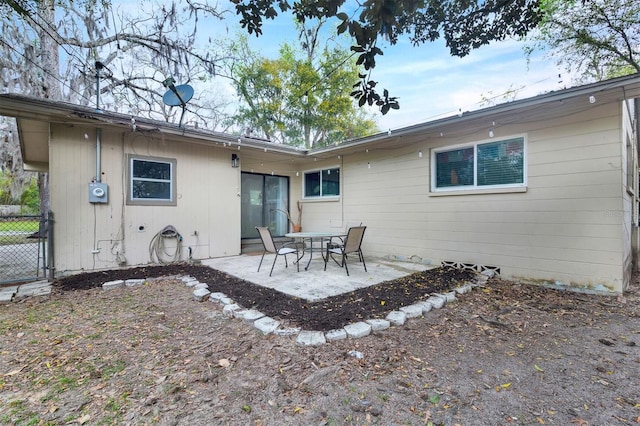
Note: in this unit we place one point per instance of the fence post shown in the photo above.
(42, 238)
(50, 258)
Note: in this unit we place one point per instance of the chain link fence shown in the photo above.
(24, 246)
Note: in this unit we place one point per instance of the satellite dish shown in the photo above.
(177, 95)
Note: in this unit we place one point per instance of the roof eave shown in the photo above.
(19, 106)
(627, 87)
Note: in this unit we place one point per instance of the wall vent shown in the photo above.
(463, 266)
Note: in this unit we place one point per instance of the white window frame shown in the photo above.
(475, 188)
(321, 196)
(171, 201)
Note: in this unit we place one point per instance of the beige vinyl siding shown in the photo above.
(390, 199)
(565, 228)
(207, 201)
(69, 179)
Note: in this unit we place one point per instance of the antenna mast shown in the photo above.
(99, 67)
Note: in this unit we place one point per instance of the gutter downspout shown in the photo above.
(637, 119)
(635, 229)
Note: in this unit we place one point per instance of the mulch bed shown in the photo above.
(324, 315)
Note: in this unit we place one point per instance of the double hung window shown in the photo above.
(151, 181)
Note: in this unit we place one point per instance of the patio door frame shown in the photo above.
(261, 195)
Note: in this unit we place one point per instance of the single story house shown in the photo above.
(543, 189)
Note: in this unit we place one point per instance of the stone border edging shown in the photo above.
(17, 292)
(268, 325)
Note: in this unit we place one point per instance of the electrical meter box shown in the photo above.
(98, 192)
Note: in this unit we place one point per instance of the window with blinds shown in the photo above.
(481, 165)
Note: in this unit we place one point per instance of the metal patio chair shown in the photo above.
(352, 244)
(335, 242)
(270, 247)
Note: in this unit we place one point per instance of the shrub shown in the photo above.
(30, 199)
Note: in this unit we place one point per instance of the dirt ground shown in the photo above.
(503, 354)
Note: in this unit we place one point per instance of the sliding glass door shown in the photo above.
(265, 198)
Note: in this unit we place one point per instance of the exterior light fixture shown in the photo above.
(235, 161)
(592, 99)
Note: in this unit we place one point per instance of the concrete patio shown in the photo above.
(314, 283)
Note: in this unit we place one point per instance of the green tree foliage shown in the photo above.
(463, 24)
(597, 39)
(5, 191)
(30, 199)
(300, 98)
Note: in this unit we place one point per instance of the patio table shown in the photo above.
(319, 237)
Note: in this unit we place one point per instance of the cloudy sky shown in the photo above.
(432, 84)
(429, 83)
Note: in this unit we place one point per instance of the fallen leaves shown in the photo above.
(14, 372)
(416, 359)
(81, 420)
(503, 387)
(579, 422)
(205, 369)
